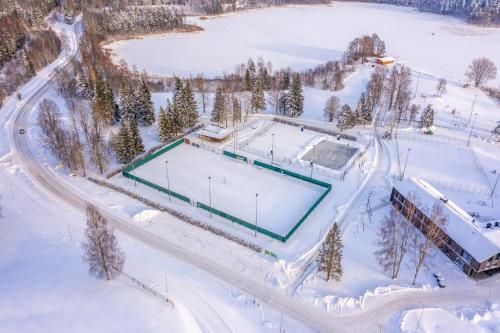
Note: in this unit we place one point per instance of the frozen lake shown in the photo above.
(302, 37)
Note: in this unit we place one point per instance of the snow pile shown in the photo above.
(434, 320)
(146, 215)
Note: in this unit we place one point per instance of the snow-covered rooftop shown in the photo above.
(472, 235)
(215, 132)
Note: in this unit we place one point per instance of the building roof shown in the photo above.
(215, 132)
(470, 233)
(386, 59)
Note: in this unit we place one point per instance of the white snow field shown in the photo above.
(282, 200)
(301, 37)
(437, 320)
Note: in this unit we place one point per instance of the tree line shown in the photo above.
(26, 42)
(476, 11)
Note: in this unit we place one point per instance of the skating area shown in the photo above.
(288, 145)
(274, 201)
(329, 154)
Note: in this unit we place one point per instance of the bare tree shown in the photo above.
(481, 70)
(202, 87)
(376, 87)
(102, 254)
(394, 234)
(441, 87)
(276, 90)
(414, 109)
(431, 235)
(98, 148)
(331, 108)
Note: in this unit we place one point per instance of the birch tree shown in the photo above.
(423, 242)
(101, 250)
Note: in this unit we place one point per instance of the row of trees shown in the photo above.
(26, 45)
(476, 11)
(399, 241)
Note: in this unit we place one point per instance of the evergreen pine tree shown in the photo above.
(330, 255)
(296, 97)
(285, 84)
(136, 144)
(219, 112)
(103, 102)
(127, 109)
(177, 94)
(284, 103)
(190, 112)
(236, 110)
(427, 117)
(121, 144)
(164, 126)
(146, 110)
(69, 17)
(258, 99)
(28, 65)
(346, 118)
(175, 118)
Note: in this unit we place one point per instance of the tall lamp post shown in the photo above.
(210, 194)
(272, 150)
(168, 182)
(256, 207)
(406, 161)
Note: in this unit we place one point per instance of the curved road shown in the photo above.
(374, 314)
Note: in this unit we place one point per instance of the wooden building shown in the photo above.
(472, 244)
(385, 61)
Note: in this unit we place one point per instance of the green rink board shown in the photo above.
(129, 173)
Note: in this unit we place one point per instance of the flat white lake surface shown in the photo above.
(302, 37)
(281, 203)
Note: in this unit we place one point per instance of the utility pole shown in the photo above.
(133, 173)
(406, 161)
(210, 194)
(416, 87)
(256, 207)
(495, 186)
(472, 109)
(168, 182)
(272, 150)
(471, 129)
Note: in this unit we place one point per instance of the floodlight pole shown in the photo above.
(346, 160)
(210, 194)
(272, 150)
(168, 182)
(471, 129)
(256, 207)
(406, 161)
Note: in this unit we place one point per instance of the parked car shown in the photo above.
(440, 280)
(22, 131)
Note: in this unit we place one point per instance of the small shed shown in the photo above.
(215, 133)
(385, 60)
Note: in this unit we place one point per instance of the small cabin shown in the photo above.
(385, 61)
(215, 133)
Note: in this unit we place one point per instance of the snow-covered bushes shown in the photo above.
(179, 215)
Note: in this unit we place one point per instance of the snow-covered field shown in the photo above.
(282, 200)
(301, 37)
(437, 320)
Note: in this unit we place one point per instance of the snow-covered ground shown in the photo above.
(301, 37)
(436, 320)
(282, 200)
